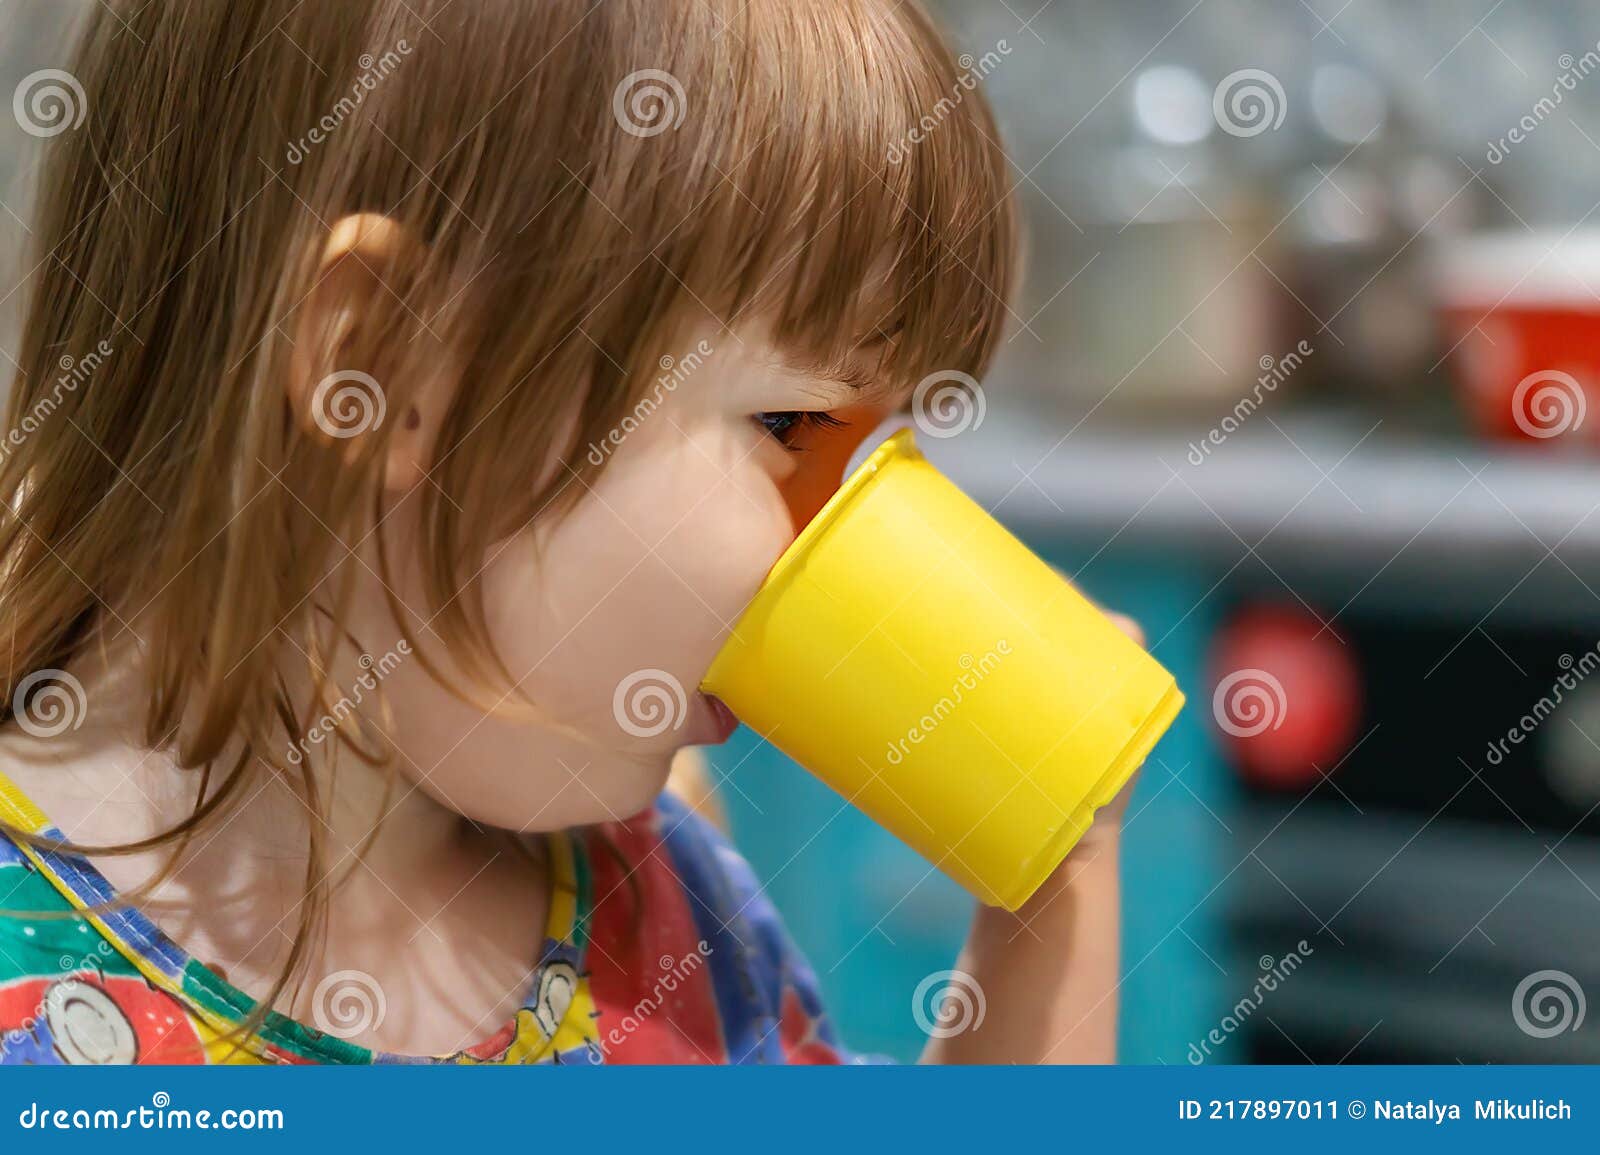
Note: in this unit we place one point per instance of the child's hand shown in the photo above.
(1048, 973)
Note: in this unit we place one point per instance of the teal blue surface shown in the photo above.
(875, 920)
(1175, 846)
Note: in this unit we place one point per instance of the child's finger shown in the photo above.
(1128, 626)
(1124, 623)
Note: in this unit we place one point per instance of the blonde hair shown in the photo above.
(575, 173)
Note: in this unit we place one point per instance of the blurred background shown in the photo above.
(1301, 378)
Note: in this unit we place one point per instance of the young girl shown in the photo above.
(407, 407)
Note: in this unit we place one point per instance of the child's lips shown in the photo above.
(715, 723)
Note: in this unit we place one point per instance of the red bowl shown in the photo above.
(1522, 314)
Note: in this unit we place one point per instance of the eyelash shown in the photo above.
(782, 426)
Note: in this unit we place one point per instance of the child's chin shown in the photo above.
(640, 792)
(616, 796)
(602, 791)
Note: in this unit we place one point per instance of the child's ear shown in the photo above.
(335, 386)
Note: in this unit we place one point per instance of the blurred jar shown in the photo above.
(1149, 302)
(1366, 213)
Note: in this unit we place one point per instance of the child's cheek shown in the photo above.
(648, 571)
(723, 526)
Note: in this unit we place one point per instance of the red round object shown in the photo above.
(1286, 696)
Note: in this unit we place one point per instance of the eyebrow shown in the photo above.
(870, 387)
(867, 386)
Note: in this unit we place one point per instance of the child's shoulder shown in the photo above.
(66, 995)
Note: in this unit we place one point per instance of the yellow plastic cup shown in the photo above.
(921, 661)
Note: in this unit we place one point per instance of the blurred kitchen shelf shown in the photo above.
(1329, 501)
(1301, 479)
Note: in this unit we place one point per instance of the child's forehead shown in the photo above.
(853, 360)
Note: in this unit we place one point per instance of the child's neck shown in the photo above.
(431, 890)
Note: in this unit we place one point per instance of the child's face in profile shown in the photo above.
(612, 615)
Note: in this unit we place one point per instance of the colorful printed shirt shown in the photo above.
(660, 948)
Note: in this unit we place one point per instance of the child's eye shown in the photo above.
(784, 427)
